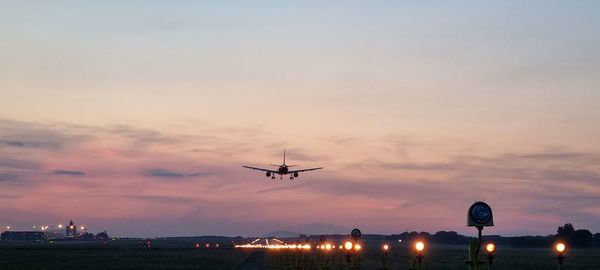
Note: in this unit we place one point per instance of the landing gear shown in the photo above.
(272, 177)
(291, 178)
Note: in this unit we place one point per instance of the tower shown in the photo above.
(71, 230)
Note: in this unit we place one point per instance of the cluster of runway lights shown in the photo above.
(324, 247)
(419, 247)
(261, 246)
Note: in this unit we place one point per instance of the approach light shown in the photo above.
(348, 245)
(357, 247)
(60, 226)
(386, 247)
(560, 248)
(490, 248)
(419, 246)
(328, 247)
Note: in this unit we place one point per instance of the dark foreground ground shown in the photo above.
(444, 258)
(126, 254)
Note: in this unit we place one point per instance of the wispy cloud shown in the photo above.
(165, 199)
(69, 172)
(172, 174)
(18, 163)
(8, 177)
(13, 143)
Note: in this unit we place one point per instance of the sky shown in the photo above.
(137, 116)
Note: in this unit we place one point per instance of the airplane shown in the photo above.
(283, 169)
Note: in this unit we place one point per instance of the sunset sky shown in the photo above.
(137, 116)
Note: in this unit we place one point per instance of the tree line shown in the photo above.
(581, 238)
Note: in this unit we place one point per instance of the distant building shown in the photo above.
(71, 230)
(23, 236)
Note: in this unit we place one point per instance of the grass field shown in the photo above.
(450, 258)
(166, 254)
(117, 255)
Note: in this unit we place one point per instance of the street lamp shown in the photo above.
(560, 248)
(348, 246)
(420, 247)
(386, 249)
(490, 248)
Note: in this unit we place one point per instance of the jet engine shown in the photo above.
(295, 174)
(268, 174)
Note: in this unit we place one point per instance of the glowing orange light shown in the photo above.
(420, 246)
(348, 245)
(560, 247)
(341, 247)
(60, 226)
(328, 247)
(386, 247)
(82, 228)
(490, 248)
(357, 247)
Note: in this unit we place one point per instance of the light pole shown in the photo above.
(490, 248)
(348, 247)
(560, 248)
(386, 249)
(420, 247)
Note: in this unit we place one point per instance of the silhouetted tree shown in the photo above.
(531, 241)
(565, 231)
(450, 238)
(597, 240)
(581, 239)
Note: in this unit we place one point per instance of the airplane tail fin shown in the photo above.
(283, 156)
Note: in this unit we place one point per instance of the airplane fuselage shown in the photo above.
(283, 169)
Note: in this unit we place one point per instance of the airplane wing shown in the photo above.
(305, 170)
(260, 169)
